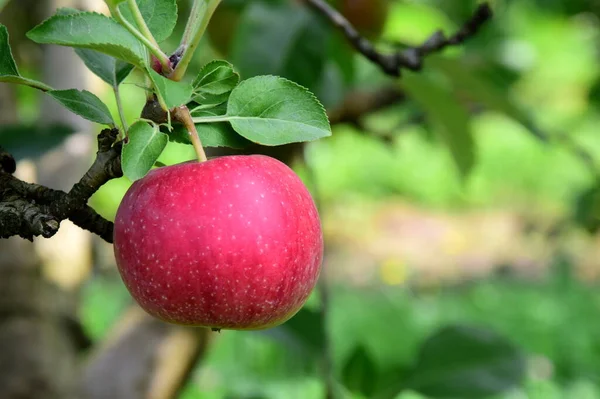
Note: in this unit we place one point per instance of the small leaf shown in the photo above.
(160, 16)
(92, 31)
(450, 118)
(214, 83)
(467, 362)
(107, 68)
(173, 93)
(144, 145)
(9, 73)
(32, 141)
(84, 104)
(270, 110)
(359, 374)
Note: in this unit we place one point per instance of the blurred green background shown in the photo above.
(474, 201)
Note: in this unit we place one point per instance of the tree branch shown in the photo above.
(30, 210)
(412, 58)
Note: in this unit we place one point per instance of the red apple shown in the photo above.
(234, 242)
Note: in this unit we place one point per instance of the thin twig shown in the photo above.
(412, 58)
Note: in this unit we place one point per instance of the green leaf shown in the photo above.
(214, 83)
(84, 104)
(32, 141)
(107, 68)
(467, 362)
(218, 134)
(160, 16)
(9, 73)
(144, 145)
(172, 93)
(92, 31)
(271, 111)
(359, 374)
(449, 116)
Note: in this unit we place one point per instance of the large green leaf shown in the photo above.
(214, 83)
(448, 115)
(9, 73)
(84, 104)
(271, 111)
(468, 363)
(160, 16)
(144, 145)
(172, 93)
(92, 31)
(107, 68)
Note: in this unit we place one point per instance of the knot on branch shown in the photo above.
(7, 162)
(27, 220)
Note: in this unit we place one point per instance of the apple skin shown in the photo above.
(231, 243)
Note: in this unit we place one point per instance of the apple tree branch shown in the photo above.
(29, 210)
(411, 58)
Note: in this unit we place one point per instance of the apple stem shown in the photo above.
(182, 114)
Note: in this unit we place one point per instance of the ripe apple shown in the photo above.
(234, 242)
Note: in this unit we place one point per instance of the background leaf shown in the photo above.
(359, 374)
(280, 39)
(269, 110)
(160, 16)
(447, 114)
(92, 31)
(84, 104)
(467, 362)
(24, 141)
(307, 327)
(144, 145)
